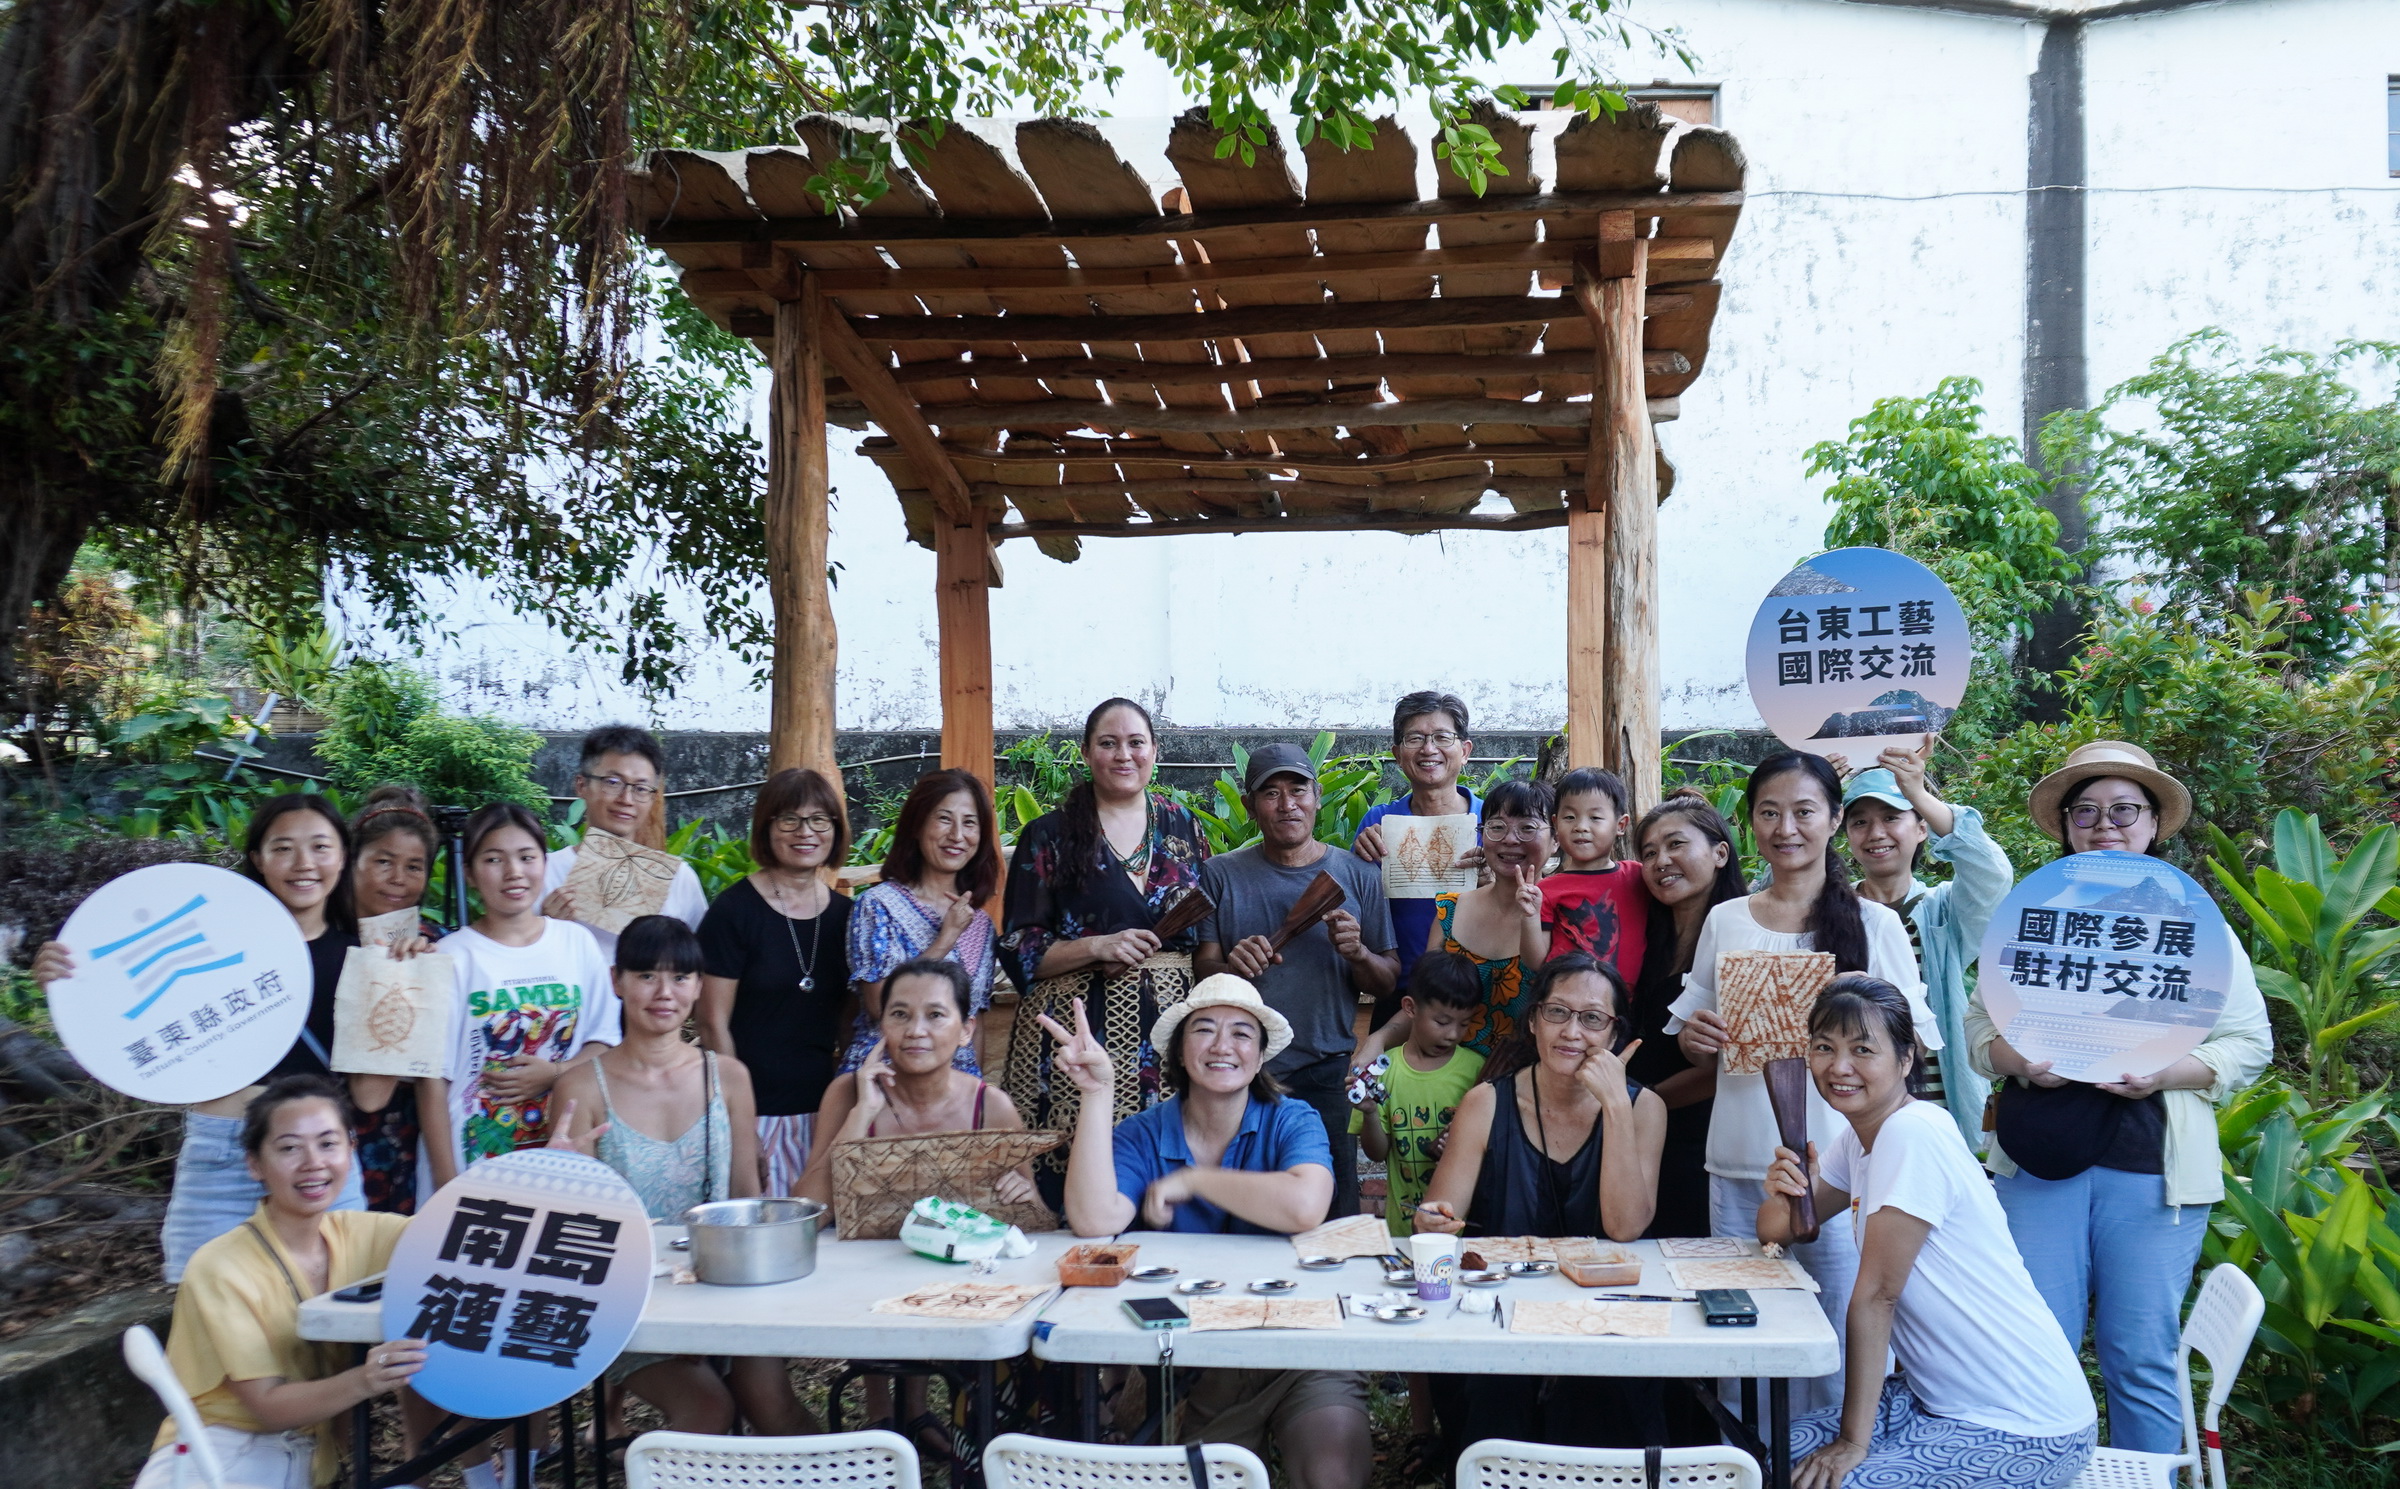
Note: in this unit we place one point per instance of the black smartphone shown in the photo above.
(361, 1292)
(1727, 1307)
(1157, 1313)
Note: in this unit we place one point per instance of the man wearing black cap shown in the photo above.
(1322, 974)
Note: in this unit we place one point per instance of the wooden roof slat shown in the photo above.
(1398, 523)
(1709, 159)
(1515, 139)
(1249, 322)
(1616, 152)
(1520, 419)
(1080, 175)
(693, 185)
(973, 460)
(1383, 172)
(884, 228)
(1368, 370)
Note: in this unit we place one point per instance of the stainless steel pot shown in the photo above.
(747, 1242)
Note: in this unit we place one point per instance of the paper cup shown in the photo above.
(1435, 1259)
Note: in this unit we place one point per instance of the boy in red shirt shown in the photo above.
(1595, 902)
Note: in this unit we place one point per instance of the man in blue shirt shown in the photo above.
(1429, 741)
(1228, 1152)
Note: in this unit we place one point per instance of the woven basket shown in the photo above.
(876, 1179)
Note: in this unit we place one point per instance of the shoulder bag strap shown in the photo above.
(276, 1257)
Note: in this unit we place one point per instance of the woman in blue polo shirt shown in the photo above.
(1226, 1154)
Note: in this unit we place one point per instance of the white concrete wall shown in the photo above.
(1883, 248)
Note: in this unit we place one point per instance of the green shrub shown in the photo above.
(385, 724)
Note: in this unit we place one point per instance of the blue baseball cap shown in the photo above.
(1878, 784)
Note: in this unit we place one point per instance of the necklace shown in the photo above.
(1144, 848)
(816, 928)
(1551, 1183)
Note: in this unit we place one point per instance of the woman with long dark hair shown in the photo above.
(943, 864)
(1794, 805)
(298, 848)
(778, 944)
(1689, 866)
(1087, 884)
(2108, 1186)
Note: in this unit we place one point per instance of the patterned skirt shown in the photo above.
(1122, 1004)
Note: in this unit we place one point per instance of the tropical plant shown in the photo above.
(2310, 937)
(298, 664)
(173, 727)
(1922, 477)
(384, 724)
(2323, 1243)
(2271, 475)
(719, 855)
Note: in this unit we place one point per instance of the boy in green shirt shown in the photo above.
(1405, 1102)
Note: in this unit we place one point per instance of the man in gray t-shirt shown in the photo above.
(1322, 974)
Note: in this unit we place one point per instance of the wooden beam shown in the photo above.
(1379, 522)
(877, 230)
(1104, 466)
(962, 606)
(864, 370)
(801, 700)
(1587, 636)
(1247, 320)
(1132, 372)
(1554, 414)
(1400, 494)
(1413, 264)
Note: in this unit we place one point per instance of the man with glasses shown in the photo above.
(622, 784)
(1430, 743)
(1321, 975)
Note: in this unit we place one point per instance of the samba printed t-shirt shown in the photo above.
(547, 1000)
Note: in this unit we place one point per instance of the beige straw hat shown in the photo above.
(2108, 757)
(1224, 990)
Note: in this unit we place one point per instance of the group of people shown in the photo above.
(1536, 1055)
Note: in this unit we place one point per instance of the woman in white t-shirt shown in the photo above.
(1794, 805)
(534, 996)
(1989, 1392)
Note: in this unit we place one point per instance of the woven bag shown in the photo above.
(876, 1179)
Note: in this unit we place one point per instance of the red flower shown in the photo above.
(2143, 607)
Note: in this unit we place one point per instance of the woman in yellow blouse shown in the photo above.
(266, 1395)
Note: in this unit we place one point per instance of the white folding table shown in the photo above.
(1792, 1339)
(825, 1315)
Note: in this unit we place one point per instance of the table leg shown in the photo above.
(524, 1440)
(987, 1394)
(362, 1443)
(1750, 1403)
(600, 1431)
(1779, 1424)
(1087, 1402)
(566, 1443)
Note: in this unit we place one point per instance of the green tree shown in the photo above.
(1921, 476)
(385, 724)
(2271, 474)
(303, 289)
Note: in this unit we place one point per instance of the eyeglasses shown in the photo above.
(1445, 740)
(2120, 813)
(619, 786)
(1528, 833)
(816, 823)
(1593, 1021)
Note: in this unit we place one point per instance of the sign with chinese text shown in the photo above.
(2106, 965)
(190, 983)
(524, 1276)
(1858, 650)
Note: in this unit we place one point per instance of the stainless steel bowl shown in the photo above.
(1321, 1263)
(751, 1242)
(1271, 1286)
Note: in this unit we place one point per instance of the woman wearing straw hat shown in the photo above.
(2108, 1187)
(1228, 1153)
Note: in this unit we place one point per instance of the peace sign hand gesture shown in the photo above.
(1084, 1058)
(1528, 891)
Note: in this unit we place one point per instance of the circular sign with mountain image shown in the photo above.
(1858, 650)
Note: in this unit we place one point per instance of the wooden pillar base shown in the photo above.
(801, 707)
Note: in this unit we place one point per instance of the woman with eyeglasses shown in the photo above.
(1497, 926)
(1085, 887)
(2108, 1187)
(1558, 1141)
(777, 946)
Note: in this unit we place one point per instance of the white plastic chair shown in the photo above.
(197, 1458)
(1015, 1460)
(2222, 1323)
(1499, 1463)
(838, 1460)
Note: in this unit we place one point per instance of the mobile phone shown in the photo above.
(1157, 1313)
(361, 1292)
(1727, 1307)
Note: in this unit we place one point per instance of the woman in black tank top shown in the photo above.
(1558, 1142)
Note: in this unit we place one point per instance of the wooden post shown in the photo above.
(1621, 485)
(962, 603)
(801, 706)
(1587, 627)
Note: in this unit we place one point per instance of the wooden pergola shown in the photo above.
(1053, 352)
